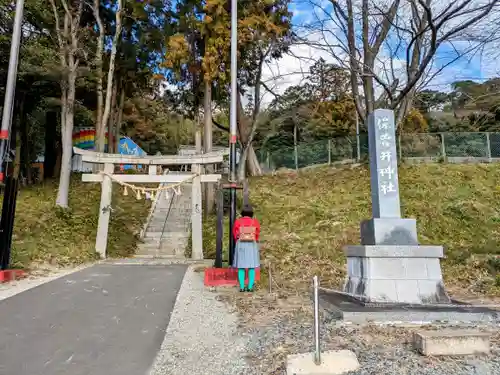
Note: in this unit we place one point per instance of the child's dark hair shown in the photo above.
(247, 211)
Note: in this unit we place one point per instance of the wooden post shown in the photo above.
(196, 215)
(152, 170)
(104, 212)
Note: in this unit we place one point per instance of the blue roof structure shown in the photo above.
(129, 147)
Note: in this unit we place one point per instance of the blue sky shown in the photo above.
(290, 69)
(475, 67)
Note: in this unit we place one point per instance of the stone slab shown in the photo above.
(394, 268)
(394, 251)
(332, 363)
(383, 164)
(340, 306)
(389, 231)
(452, 342)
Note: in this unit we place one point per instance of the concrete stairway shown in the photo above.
(167, 233)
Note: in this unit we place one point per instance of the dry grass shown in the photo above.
(308, 218)
(45, 234)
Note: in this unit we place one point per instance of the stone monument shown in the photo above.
(390, 266)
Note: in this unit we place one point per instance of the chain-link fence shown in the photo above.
(451, 147)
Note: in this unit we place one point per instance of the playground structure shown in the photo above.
(171, 182)
(84, 139)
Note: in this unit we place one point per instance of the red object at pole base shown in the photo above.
(225, 276)
(11, 275)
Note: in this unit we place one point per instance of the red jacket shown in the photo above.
(246, 222)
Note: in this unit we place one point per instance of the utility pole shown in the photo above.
(10, 88)
(11, 182)
(233, 125)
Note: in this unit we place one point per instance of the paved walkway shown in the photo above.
(103, 320)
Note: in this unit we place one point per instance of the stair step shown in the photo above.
(166, 230)
(166, 256)
(147, 256)
(165, 241)
(161, 252)
(162, 246)
(166, 235)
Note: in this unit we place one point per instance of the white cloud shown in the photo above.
(291, 69)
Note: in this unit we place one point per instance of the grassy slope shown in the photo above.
(306, 220)
(43, 233)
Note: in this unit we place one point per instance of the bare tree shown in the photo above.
(99, 68)
(111, 74)
(68, 32)
(247, 125)
(391, 46)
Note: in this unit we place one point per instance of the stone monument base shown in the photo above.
(350, 310)
(395, 274)
(389, 231)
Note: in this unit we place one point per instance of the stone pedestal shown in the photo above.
(390, 266)
(389, 231)
(408, 274)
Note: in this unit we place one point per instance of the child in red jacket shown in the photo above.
(246, 231)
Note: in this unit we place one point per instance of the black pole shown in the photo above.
(7, 220)
(10, 87)
(219, 235)
(232, 211)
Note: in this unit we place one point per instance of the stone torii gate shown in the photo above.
(106, 179)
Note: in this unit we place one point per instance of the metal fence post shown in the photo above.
(317, 348)
(329, 151)
(296, 154)
(443, 148)
(400, 148)
(488, 146)
(358, 148)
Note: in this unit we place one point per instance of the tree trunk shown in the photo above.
(68, 111)
(119, 118)
(248, 164)
(111, 122)
(50, 158)
(23, 137)
(207, 143)
(111, 73)
(99, 86)
(197, 134)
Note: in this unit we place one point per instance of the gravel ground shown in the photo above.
(207, 336)
(282, 326)
(202, 337)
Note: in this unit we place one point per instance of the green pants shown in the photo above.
(251, 277)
